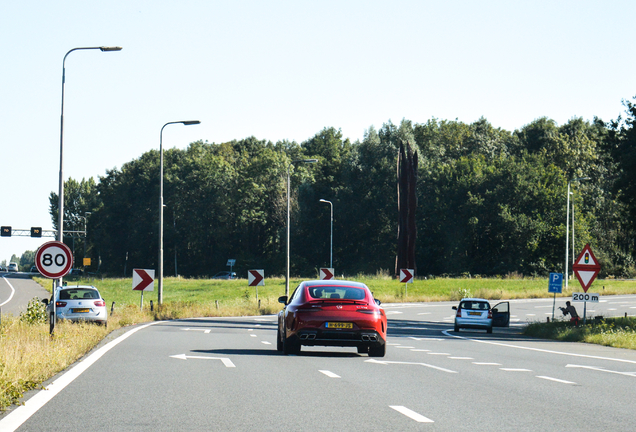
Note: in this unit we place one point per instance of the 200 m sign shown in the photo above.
(54, 260)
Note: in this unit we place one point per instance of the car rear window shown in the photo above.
(474, 305)
(331, 292)
(77, 294)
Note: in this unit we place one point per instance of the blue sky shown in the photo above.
(284, 70)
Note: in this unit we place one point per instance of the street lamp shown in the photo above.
(331, 248)
(85, 233)
(288, 187)
(60, 206)
(160, 278)
(567, 228)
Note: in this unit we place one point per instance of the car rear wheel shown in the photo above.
(279, 341)
(489, 330)
(378, 351)
(289, 346)
(456, 328)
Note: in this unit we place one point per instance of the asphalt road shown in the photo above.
(225, 374)
(16, 290)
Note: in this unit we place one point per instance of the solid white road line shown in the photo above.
(411, 414)
(21, 414)
(600, 369)
(329, 374)
(446, 332)
(384, 362)
(12, 291)
(556, 380)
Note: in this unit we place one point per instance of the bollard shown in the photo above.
(548, 319)
(259, 303)
(217, 303)
(112, 308)
(151, 306)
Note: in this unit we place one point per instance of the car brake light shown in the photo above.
(459, 313)
(489, 314)
(60, 304)
(100, 303)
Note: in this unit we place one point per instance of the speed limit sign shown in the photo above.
(54, 260)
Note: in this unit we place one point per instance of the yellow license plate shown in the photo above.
(80, 310)
(474, 313)
(339, 325)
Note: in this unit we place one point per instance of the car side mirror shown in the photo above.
(378, 302)
(495, 310)
(45, 301)
(454, 307)
(282, 299)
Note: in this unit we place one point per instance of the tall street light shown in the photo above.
(288, 188)
(331, 237)
(160, 278)
(60, 228)
(567, 228)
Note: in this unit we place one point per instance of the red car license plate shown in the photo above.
(340, 325)
(83, 310)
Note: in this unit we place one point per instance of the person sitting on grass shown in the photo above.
(569, 309)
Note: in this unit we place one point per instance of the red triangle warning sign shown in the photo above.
(586, 267)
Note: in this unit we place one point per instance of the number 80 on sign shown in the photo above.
(54, 260)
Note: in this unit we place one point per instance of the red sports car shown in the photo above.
(332, 313)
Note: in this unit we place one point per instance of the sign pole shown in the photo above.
(141, 305)
(553, 306)
(584, 311)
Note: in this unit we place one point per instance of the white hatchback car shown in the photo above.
(79, 303)
(476, 313)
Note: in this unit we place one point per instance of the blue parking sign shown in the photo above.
(555, 284)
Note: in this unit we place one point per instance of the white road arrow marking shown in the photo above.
(203, 330)
(384, 362)
(226, 361)
(600, 369)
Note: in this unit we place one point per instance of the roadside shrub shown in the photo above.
(35, 313)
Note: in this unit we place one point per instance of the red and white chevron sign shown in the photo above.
(406, 275)
(143, 280)
(255, 277)
(326, 273)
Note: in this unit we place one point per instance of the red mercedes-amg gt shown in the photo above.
(332, 313)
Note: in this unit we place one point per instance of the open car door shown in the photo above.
(501, 315)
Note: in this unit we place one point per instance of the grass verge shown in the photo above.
(613, 332)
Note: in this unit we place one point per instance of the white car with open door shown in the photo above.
(476, 313)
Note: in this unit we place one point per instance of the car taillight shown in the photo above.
(60, 304)
(489, 314)
(459, 313)
(100, 303)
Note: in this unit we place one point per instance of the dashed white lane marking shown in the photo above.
(384, 362)
(404, 347)
(514, 370)
(461, 358)
(253, 335)
(424, 313)
(266, 343)
(329, 374)
(420, 350)
(426, 339)
(434, 353)
(250, 329)
(531, 314)
(556, 380)
(393, 344)
(392, 312)
(411, 414)
(486, 364)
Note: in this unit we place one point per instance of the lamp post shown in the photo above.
(85, 234)
(567, 228)
(60, 205)
(160, 278)
(288, 187)
(331, 236)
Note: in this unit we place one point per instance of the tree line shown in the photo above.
(490, 201)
